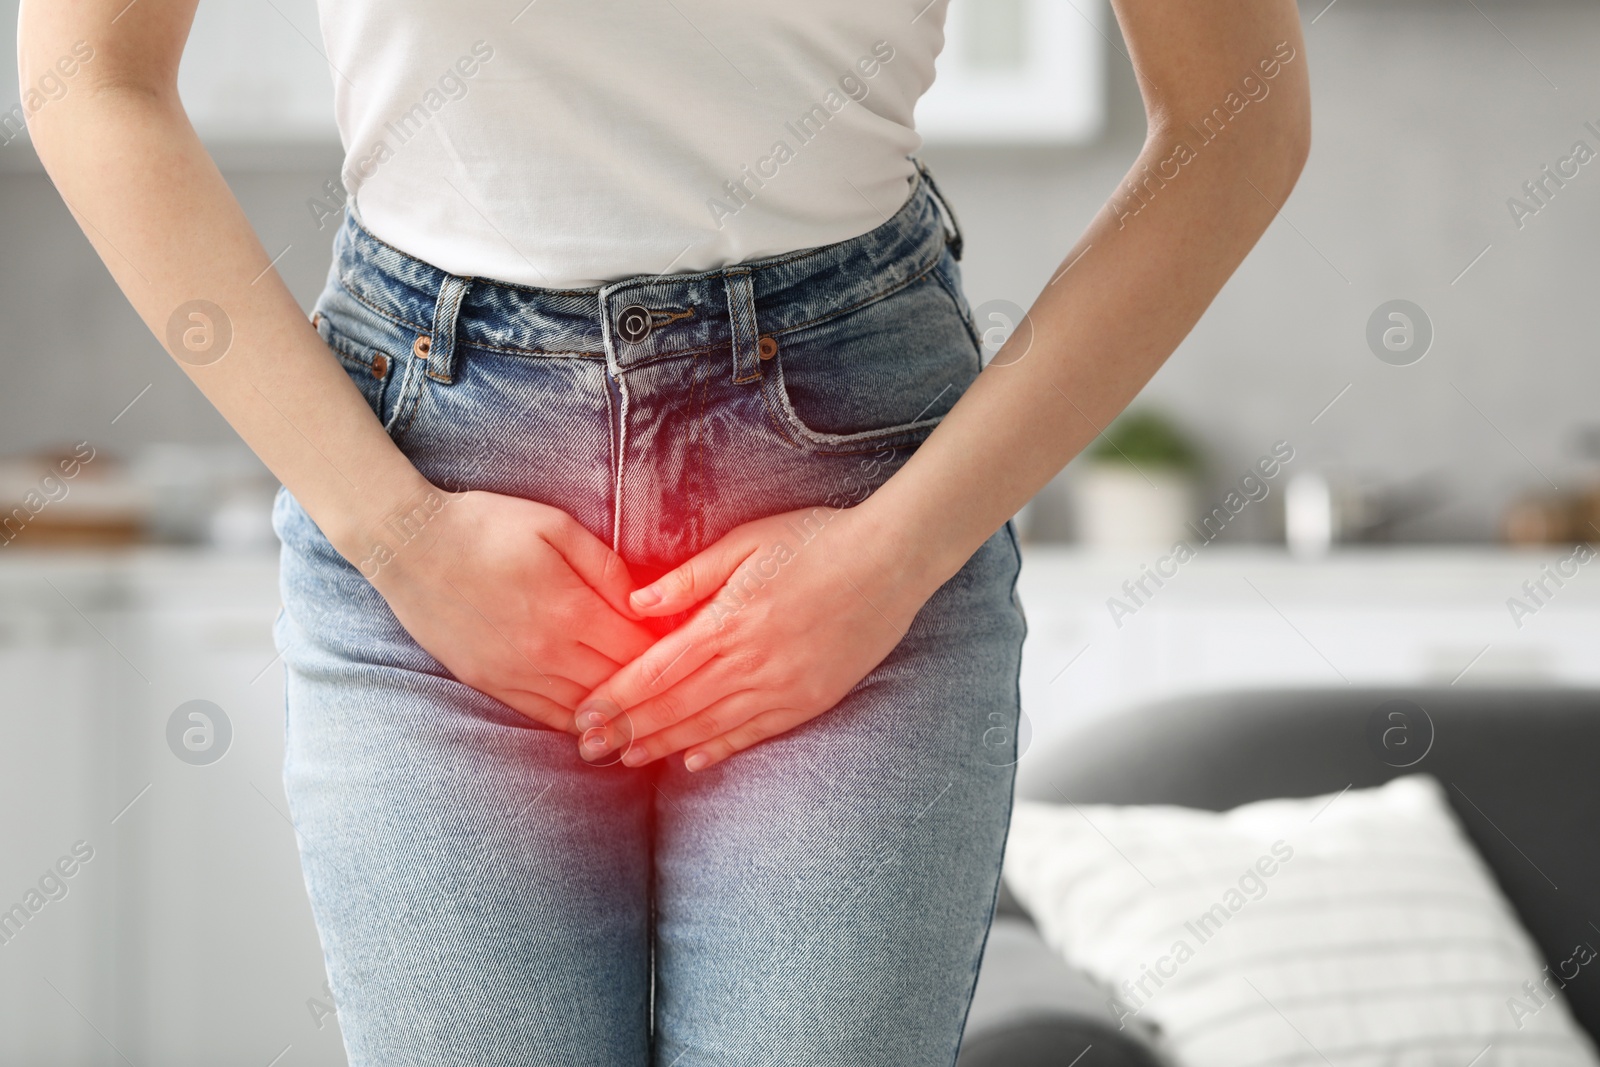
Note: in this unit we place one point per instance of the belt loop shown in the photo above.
(954, 240)
(742, 315)
(442, 346)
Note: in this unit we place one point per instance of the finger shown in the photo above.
(685, 699)
(716, 720)
(563, 692)
(565, 675)
(536, 707)
(515, 661)
(588, 668)
(688, 698)
(620, 640)
(663, 664)
(580, 669)
(514, 675)
(697, 578)
(747, 734)
(592, 560)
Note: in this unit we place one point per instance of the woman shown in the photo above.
(649, 620)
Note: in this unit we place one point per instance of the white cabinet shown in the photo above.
(229, 954)
(187, 939)
(1255, 618)
(56, 950)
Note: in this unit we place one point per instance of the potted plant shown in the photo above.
(1136, 485)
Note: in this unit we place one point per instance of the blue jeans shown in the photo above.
(486, 897)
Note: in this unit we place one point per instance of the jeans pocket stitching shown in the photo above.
(697, 444)
(354, 359)
(412, 387)
(796, 431)
(354, 293)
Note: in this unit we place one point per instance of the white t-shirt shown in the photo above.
(568, 143)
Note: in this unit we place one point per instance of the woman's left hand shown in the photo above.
(794, 610)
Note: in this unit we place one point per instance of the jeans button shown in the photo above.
(633, 325)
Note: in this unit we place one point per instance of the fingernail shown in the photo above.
(590, 715)
(595, 740)
(696, 762)
(634, 756)
(646, 597)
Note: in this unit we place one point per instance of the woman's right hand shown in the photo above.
(515, 598)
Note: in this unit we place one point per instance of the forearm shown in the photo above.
(151, 201)
(1121, 302)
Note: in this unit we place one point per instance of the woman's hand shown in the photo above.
(794, 610)
(514, 597)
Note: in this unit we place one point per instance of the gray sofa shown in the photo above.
(1522, 767)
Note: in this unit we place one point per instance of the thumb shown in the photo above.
(695, 579)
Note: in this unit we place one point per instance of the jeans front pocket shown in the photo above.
(878, 375)
(375, 352)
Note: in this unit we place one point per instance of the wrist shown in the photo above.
(371, 527)
(920, 551)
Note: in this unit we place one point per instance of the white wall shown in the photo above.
(1426, 120)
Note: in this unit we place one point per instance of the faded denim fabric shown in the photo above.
(483, 895)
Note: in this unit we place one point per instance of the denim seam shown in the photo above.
(755, 268)
(619, 476)
(346, 354)
(774, 391)
(356, 295)
(659, 356)
(880, 439)
(1011, 794)
(744, 327)
(960, 301)
(697, 445)
(375, 239)
(922, 272)
(816, 440)
(445, 332)
(409, 400)
(351, 358)
(504, 350)
(872, 440)
(884, 294)
(346, 348)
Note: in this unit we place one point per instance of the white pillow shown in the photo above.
(1358, 929)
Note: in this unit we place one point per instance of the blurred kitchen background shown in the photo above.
(1433, 485)
(1429, 115)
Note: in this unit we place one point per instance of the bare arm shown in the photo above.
(1140, 277)
(1126, 295)
(500, 590)
(135, 175)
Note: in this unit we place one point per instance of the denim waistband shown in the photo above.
(642, 319)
